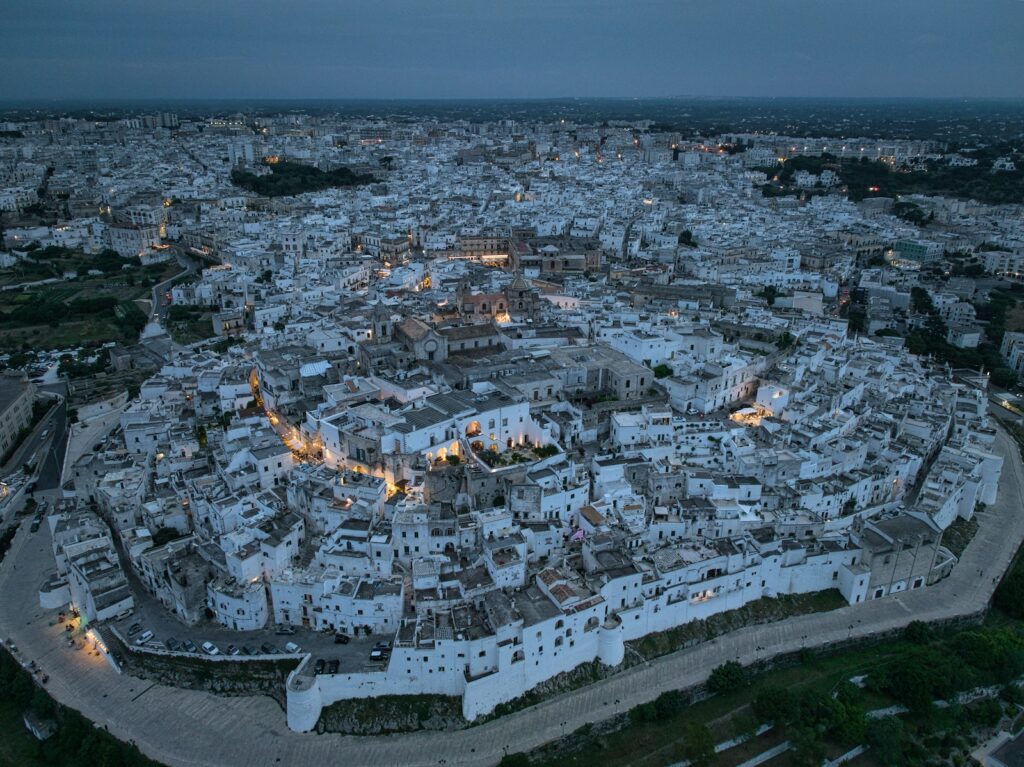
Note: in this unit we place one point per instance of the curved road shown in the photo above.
(188, 728)
(158, 311)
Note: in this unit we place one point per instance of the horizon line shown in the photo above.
(518, 99)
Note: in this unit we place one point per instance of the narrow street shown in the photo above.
(158, 311)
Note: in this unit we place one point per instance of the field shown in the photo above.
(87, 310)
(652, 744)
(188, 324)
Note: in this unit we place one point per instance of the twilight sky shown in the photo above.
(86, 49)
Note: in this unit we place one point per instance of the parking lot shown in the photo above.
(150, 615)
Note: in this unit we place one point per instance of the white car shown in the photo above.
(210, 648)
(292, 648)
(144, 637)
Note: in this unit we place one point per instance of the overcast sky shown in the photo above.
(509, 48)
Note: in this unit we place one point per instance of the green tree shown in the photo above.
(697, 746)
(769, 294)
(849, 723)
(777, 705)
(291, 178)
(918, 632)
(911, 685)
(668, 704)
(662, 371)
(921, 301)
(728, 677)
(885, 738)
(857, 320)
(21, 690)
(42, 704)
(808, 750)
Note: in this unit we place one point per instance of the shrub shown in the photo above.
(728, 677)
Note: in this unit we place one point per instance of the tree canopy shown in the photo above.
(290, 178)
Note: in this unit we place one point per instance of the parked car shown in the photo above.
(285, 630)
(318, 667)
(172, 644)
(333, 666)
(210, 648)
(249, 650)
(144, 637)
(134, 629)
(383, 646)
(34, 527)
(341, 639)
(377, 655)
(232, 650)
(292, 648)
(189, 646)
(268, 649)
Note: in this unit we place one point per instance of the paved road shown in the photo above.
(251, 731)
(158, 311)
(46, 453)
(52, 465)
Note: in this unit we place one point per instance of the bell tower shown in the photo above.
(381, 321)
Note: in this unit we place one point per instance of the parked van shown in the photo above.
(144, 637)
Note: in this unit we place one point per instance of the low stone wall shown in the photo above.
(220, 674)
(392, 713)
(102, 407)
